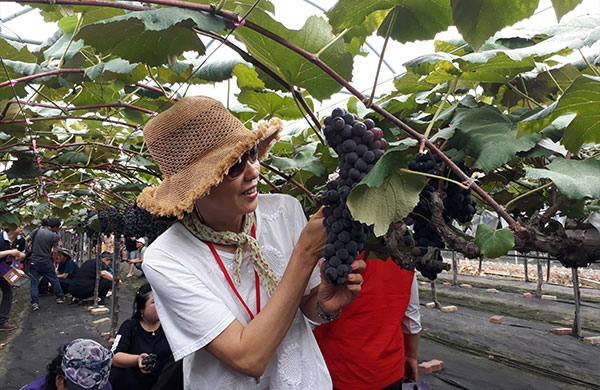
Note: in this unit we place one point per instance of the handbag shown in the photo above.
(27, 260)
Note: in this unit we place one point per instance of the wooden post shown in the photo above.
(525, 267)
(548, 269)
(540, 277)
(434, 295)
(114, 326)
(98, 269)
(454, 269)
(480, 263)
(577, 319)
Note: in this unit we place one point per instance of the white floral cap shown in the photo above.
(86, 365)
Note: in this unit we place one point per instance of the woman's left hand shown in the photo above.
(331, 298)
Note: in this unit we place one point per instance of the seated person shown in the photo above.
(137, 262)
(67, 268)
(138, 337)
(81, 364)
(82, 286)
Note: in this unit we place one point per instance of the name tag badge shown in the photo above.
(262, 383)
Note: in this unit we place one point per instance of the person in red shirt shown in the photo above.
(374, 343)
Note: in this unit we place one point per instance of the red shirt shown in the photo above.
(364, 348)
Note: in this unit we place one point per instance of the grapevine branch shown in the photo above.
(61, 117)
(77, 108)
(312, 196)
(7, 148)
(328, 70)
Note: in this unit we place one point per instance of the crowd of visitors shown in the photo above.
(236, 296)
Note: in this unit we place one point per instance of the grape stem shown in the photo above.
(387, 38)
(461, 185)
(453, 85)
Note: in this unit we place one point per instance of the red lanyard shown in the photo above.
(226, 274)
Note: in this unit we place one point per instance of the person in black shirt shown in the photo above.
(138, 337)
(83, 285)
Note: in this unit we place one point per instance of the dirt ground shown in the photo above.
(521, 353)
(29, 348)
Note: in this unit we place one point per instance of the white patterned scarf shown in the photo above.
(243, 241)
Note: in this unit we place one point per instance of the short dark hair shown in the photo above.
(45, 222)
(54, 368)
(54, 222)
(139, 302)
(106, 255)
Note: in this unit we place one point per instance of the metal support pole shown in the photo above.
(577, 319)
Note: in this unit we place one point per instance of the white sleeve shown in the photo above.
(191, 315)
(411, 323)
(300, 222)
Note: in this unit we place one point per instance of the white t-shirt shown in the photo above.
(195, 302)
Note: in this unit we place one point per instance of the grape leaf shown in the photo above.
(417, 20)
(117, 66)
(494, 243)
(304, 160)
(73, 157)
(64, 47)
(477, 20)
(581, 98)
(247, 78)
(22, 169)
(561, 7)
(392, 200)
(295, 69)
(15, 51)
(386, 195)
(493, 67)
(267, 103)
(488, 135)
(9, 221)
(576, 179)
(150, 37)
(349, 13)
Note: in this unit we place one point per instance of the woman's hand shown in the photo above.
(140, 358)
(312, 239)
(331, 298)
(17, 254)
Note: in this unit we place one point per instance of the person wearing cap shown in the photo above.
(137, 262)
(82, 364)
(83, 285)
(67, 268)
(236, 281)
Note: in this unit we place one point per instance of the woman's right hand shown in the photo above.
(313, 237)
(140, 358)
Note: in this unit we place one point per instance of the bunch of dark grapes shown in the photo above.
(457, 205)
(359, 145)
(159, 226)
(140, 223)
(137, 221)
(111, 221)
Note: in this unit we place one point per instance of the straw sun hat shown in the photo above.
(194, 143)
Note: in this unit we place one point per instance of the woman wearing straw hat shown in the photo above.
(236, 281)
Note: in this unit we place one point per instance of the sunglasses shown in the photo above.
(238, 168)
